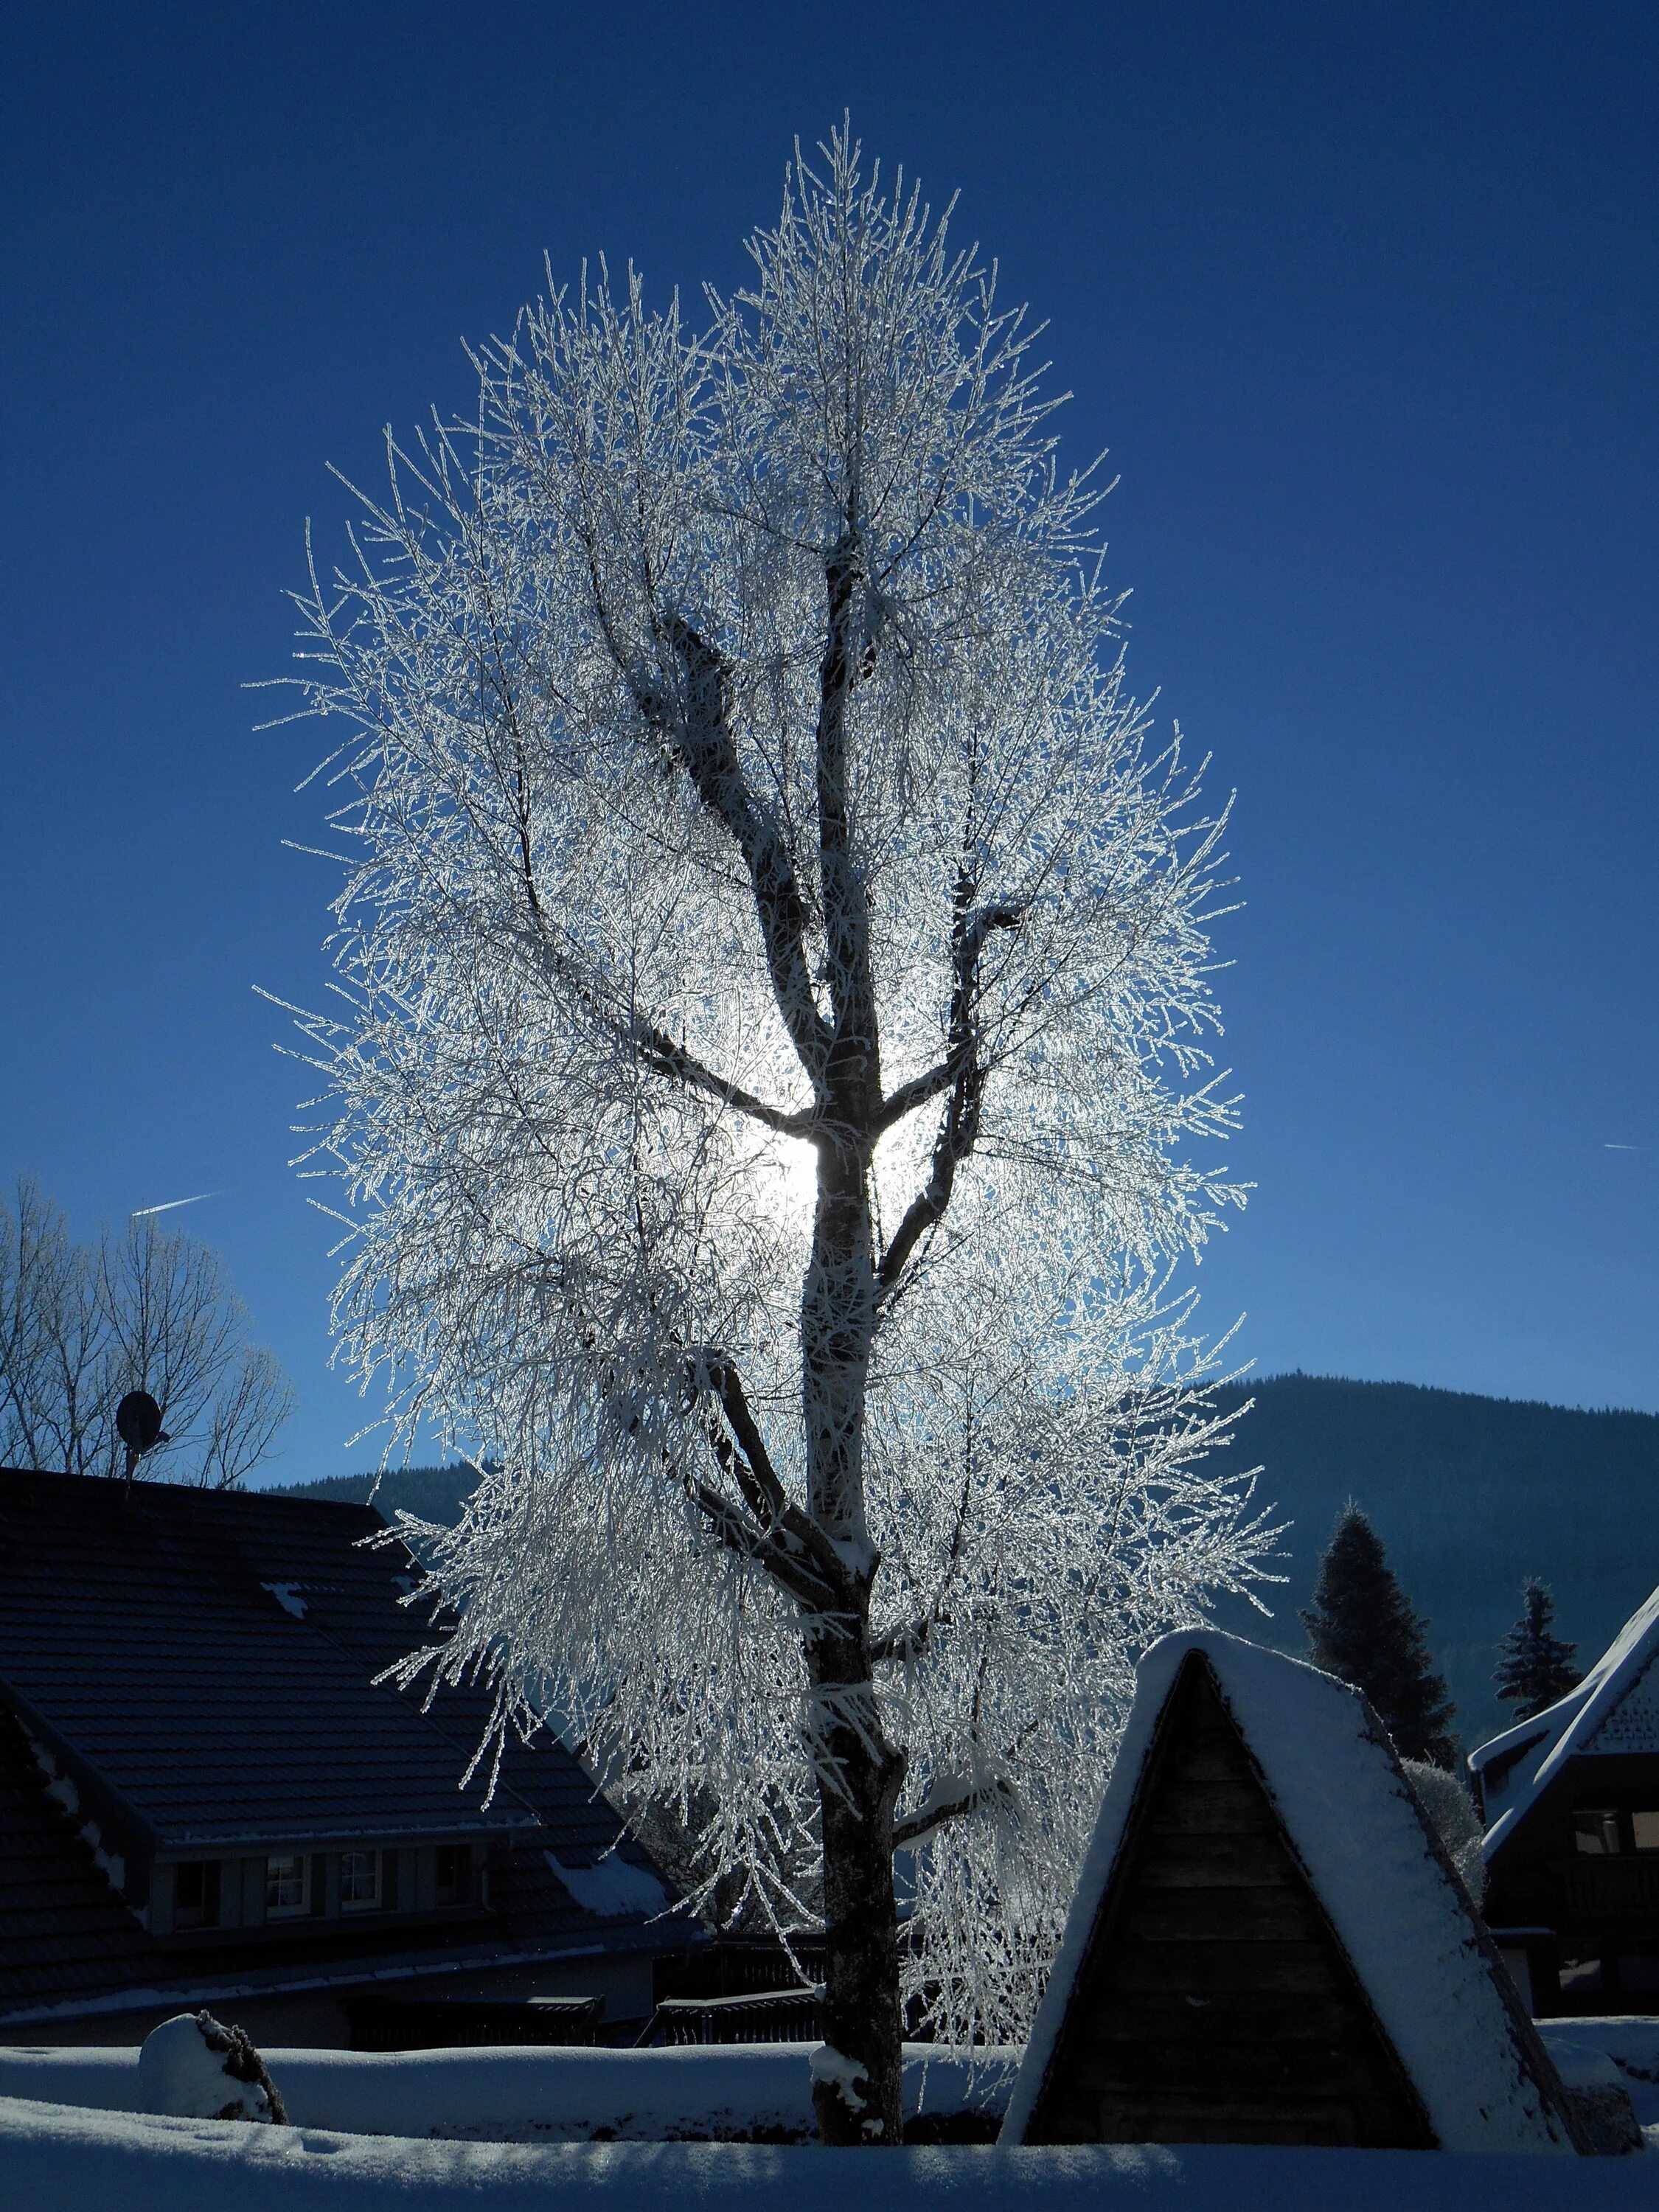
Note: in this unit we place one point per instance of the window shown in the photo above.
(288, 1886)
(196, 1894)
(1646, 1826)
(360, 1880)
(454, 1866)
(1597, 1833)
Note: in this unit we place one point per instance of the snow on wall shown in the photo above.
(1431, 1974)
(522, 2093)
(52, 2155)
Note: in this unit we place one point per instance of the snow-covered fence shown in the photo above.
(788, 2015)
(529, 2093)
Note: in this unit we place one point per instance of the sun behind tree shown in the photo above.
(742, 774)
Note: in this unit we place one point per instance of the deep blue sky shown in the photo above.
(1362, 298)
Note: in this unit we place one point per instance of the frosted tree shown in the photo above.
(1534, 1667)
(775, 1007)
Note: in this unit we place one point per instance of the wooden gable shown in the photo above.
(1215, 2002)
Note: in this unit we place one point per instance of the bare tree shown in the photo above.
(776, 992)
(82, 1325)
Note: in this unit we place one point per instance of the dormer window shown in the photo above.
(360, 1881)
(195, 1893)
(288, 1886)
(1596, 1834)
(452, 1874)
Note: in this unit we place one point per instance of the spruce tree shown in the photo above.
(1534, 1667)
(1361, 1628)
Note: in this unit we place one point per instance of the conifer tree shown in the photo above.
(1361, 1629)
(1534, 1667)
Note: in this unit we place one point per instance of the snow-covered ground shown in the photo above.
(538, 2095)
(516, 2094)
(55, 2158)
(513, 2124)
(1632, 2041)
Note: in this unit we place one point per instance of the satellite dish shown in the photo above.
(138, 1422)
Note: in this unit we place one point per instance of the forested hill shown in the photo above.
(1469, 1495)
(430, 1494)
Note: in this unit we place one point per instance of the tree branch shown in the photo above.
(962, 1069)
(700, 741)
(846, 907)
(656, 1048)
(916, 1092)
(972, 1798)
(745, 1455)
(664, 1057)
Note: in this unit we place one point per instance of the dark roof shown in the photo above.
(63, 1930)
(70, 1946)
(143, 1646)
(146, 1638)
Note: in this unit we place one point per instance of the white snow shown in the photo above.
(841, 2074)
(52, 2156)
(177, 2073)
(610, 1887)
(1437, 1984)
(1614, 1711)
(524, 2094)
(1631, 2042)
(287, 1595)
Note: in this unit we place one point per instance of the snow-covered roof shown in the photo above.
(1613, 1712)
(1389, 1891)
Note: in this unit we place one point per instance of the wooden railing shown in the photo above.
(1609, 1888)
(761, 2016)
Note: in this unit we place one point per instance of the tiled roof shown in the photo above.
(1631, 1722)
(70, 1946)
(62, 1931)
(207, 1659)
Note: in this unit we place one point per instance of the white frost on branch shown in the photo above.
(742, 780)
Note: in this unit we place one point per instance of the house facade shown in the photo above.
(1571, 1801)
(206, 1798)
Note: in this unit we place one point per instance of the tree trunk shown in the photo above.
(857, 2094)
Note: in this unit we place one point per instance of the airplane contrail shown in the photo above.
(1609, 1147)
(167, 1204)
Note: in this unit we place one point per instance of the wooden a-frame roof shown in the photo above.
(1268, 1943)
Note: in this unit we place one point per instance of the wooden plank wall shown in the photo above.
(1215, 2004)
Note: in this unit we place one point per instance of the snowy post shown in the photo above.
(776, 1002)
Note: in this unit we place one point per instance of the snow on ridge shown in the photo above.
(1571, 1726)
